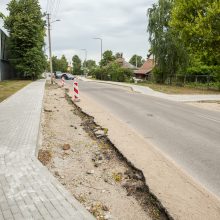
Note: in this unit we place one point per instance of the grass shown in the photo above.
(177, 89)
(9, 87)
(171, 89)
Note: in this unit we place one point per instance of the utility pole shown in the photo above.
(50, 50)
(136, 60)
(101, 47)
(85, 61)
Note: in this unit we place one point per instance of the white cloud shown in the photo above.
(121, 24)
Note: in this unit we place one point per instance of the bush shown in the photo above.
(213, 71)
(113, 72)
(159, 76)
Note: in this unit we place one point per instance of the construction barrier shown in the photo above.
(63, 82)
(75, 97)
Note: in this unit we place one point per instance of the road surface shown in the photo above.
(188, 135)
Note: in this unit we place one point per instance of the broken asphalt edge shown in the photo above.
(179, 193)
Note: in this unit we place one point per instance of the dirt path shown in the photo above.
(75, 150)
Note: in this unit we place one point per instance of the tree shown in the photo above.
(169, 52)
(55, 63)
(63, 64)
(77, 65)
(26, 29)
(198, 23)
(59, 64)
(2, 15)
(108, 57)
(118, 55)
(90, 64)
(113, 72)
(137, 58)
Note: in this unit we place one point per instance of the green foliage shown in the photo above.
(213, 71)
(118, 55)
(108, 57)
(198, 23)
(89, 64)
(77, 65)
(113, 72)
(168, 50)
(63, 64)
(26, 28)
(60, 64)
(2, 15)
(139, 59)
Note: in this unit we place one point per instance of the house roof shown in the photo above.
(146, 67)
(125, 64)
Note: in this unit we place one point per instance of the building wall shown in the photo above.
(6, 71)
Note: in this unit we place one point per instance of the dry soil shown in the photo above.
(77, 153)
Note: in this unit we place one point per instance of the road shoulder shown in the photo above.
(180, 194)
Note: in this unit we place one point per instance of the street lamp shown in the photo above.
(55, 21)
(85, 59)
(98, 38)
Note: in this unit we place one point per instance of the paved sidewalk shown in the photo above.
(148, 91)
(27, 189)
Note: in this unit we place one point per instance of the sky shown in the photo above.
(122, 25)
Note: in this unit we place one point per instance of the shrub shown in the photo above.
(213, 71)
(113, 72)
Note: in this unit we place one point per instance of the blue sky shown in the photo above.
(121, 24)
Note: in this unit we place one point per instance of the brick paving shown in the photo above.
(27, 189)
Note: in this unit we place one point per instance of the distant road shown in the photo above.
(188, 135)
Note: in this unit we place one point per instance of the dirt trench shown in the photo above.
(80, 155)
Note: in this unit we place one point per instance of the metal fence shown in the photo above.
(199, 81)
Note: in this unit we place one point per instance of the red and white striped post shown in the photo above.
(62, 82)
(75, 97)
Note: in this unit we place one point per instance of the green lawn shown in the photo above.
(9, 87)
(177, 89)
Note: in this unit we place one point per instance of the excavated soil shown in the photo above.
(78, 153)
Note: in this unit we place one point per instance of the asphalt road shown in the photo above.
(188, 135)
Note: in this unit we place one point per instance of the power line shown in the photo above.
(47, 6)
(56, 10)
(52, 6)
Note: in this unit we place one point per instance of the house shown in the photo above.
(6, 71)
(124, 64)
(144, 72)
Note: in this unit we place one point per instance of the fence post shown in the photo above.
(208, 80)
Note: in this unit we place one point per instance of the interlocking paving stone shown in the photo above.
(27, 189)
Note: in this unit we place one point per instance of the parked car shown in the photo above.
(68, 76)
(58, 74)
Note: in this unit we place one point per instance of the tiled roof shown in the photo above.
(146, 67)
(125, 64)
